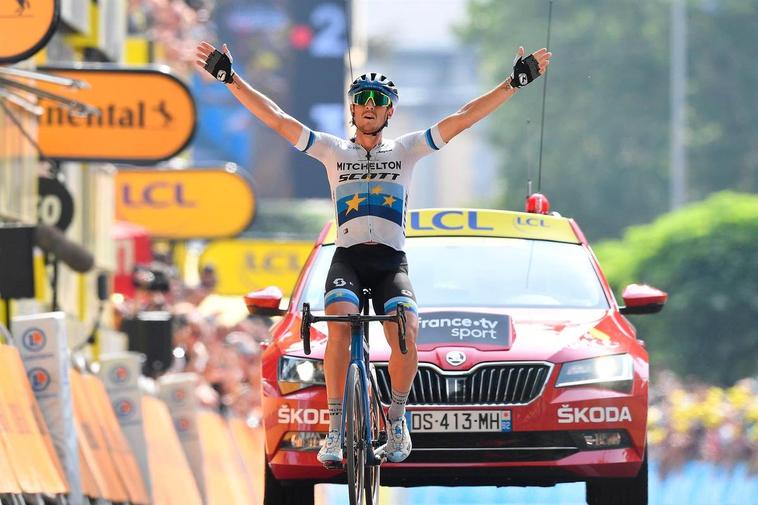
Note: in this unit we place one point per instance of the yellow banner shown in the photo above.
(145, 115)
(245, 265)
(186, 203)
(26, 27)
(483, 223)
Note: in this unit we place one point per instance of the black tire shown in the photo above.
(274, 493)
(354, 444)
(371, 484)
(619, 491)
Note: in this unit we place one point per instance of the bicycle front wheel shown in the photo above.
(355, 428)
(376, 420)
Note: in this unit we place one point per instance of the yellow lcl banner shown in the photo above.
(244, 265)
(185, 203)
(145, 115)
(25, 27)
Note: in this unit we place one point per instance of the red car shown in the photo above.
(529, 374)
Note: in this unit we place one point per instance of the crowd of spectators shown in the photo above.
(175, 25)
(257, 33)
(689, 420)
(223, 352)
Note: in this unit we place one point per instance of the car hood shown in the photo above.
(554, 335)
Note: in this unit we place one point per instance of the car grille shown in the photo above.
(496, 384)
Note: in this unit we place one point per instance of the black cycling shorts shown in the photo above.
(378, 267)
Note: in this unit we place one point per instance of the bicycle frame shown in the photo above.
(359, 355)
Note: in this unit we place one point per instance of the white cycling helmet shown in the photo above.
(376, 81)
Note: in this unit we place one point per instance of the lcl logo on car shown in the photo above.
(456, 358)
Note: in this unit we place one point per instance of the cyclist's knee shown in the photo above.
(339, 333)
(411, 330)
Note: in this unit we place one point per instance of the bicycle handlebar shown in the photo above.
(308, 319)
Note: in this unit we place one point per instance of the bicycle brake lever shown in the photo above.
(401, 328)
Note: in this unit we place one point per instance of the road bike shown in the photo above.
(363, 432)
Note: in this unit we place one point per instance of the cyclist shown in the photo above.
(369, 177)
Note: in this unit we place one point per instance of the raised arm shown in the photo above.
(483, 106)
(256, 102)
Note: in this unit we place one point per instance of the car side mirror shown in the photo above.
(264, 302)
(643, 299)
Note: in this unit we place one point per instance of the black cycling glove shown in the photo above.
(220, 66)
(525, 71)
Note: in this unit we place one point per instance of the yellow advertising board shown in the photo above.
(245, 265)
(185, 203)
(483, 223)
(145, 115)
(26, 27)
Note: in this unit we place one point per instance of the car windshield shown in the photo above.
(490, 272)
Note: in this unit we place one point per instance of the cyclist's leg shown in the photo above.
(341, 297)
(396, 290)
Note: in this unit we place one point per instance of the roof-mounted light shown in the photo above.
(537, 203)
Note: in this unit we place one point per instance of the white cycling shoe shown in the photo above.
(398, 441)
(331, 451)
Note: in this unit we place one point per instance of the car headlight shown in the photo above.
(614, 369)
(299, 373)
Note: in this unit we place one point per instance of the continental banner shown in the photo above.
(185, 203)
(26, 27)
(145, 115)
(245, 265)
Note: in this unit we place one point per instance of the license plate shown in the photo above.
(459, 421)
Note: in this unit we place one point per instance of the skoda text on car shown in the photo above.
(529, 374)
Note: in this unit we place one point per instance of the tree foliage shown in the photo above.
(704, 256)
(607, 122)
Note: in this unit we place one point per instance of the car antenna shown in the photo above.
(349, 41)
(544, 94)
(537, 202)
(348, 35)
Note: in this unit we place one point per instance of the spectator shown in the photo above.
(689, 421)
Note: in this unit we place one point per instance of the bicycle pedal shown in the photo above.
(334, 465)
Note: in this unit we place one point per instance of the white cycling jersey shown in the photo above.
(370, 188)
